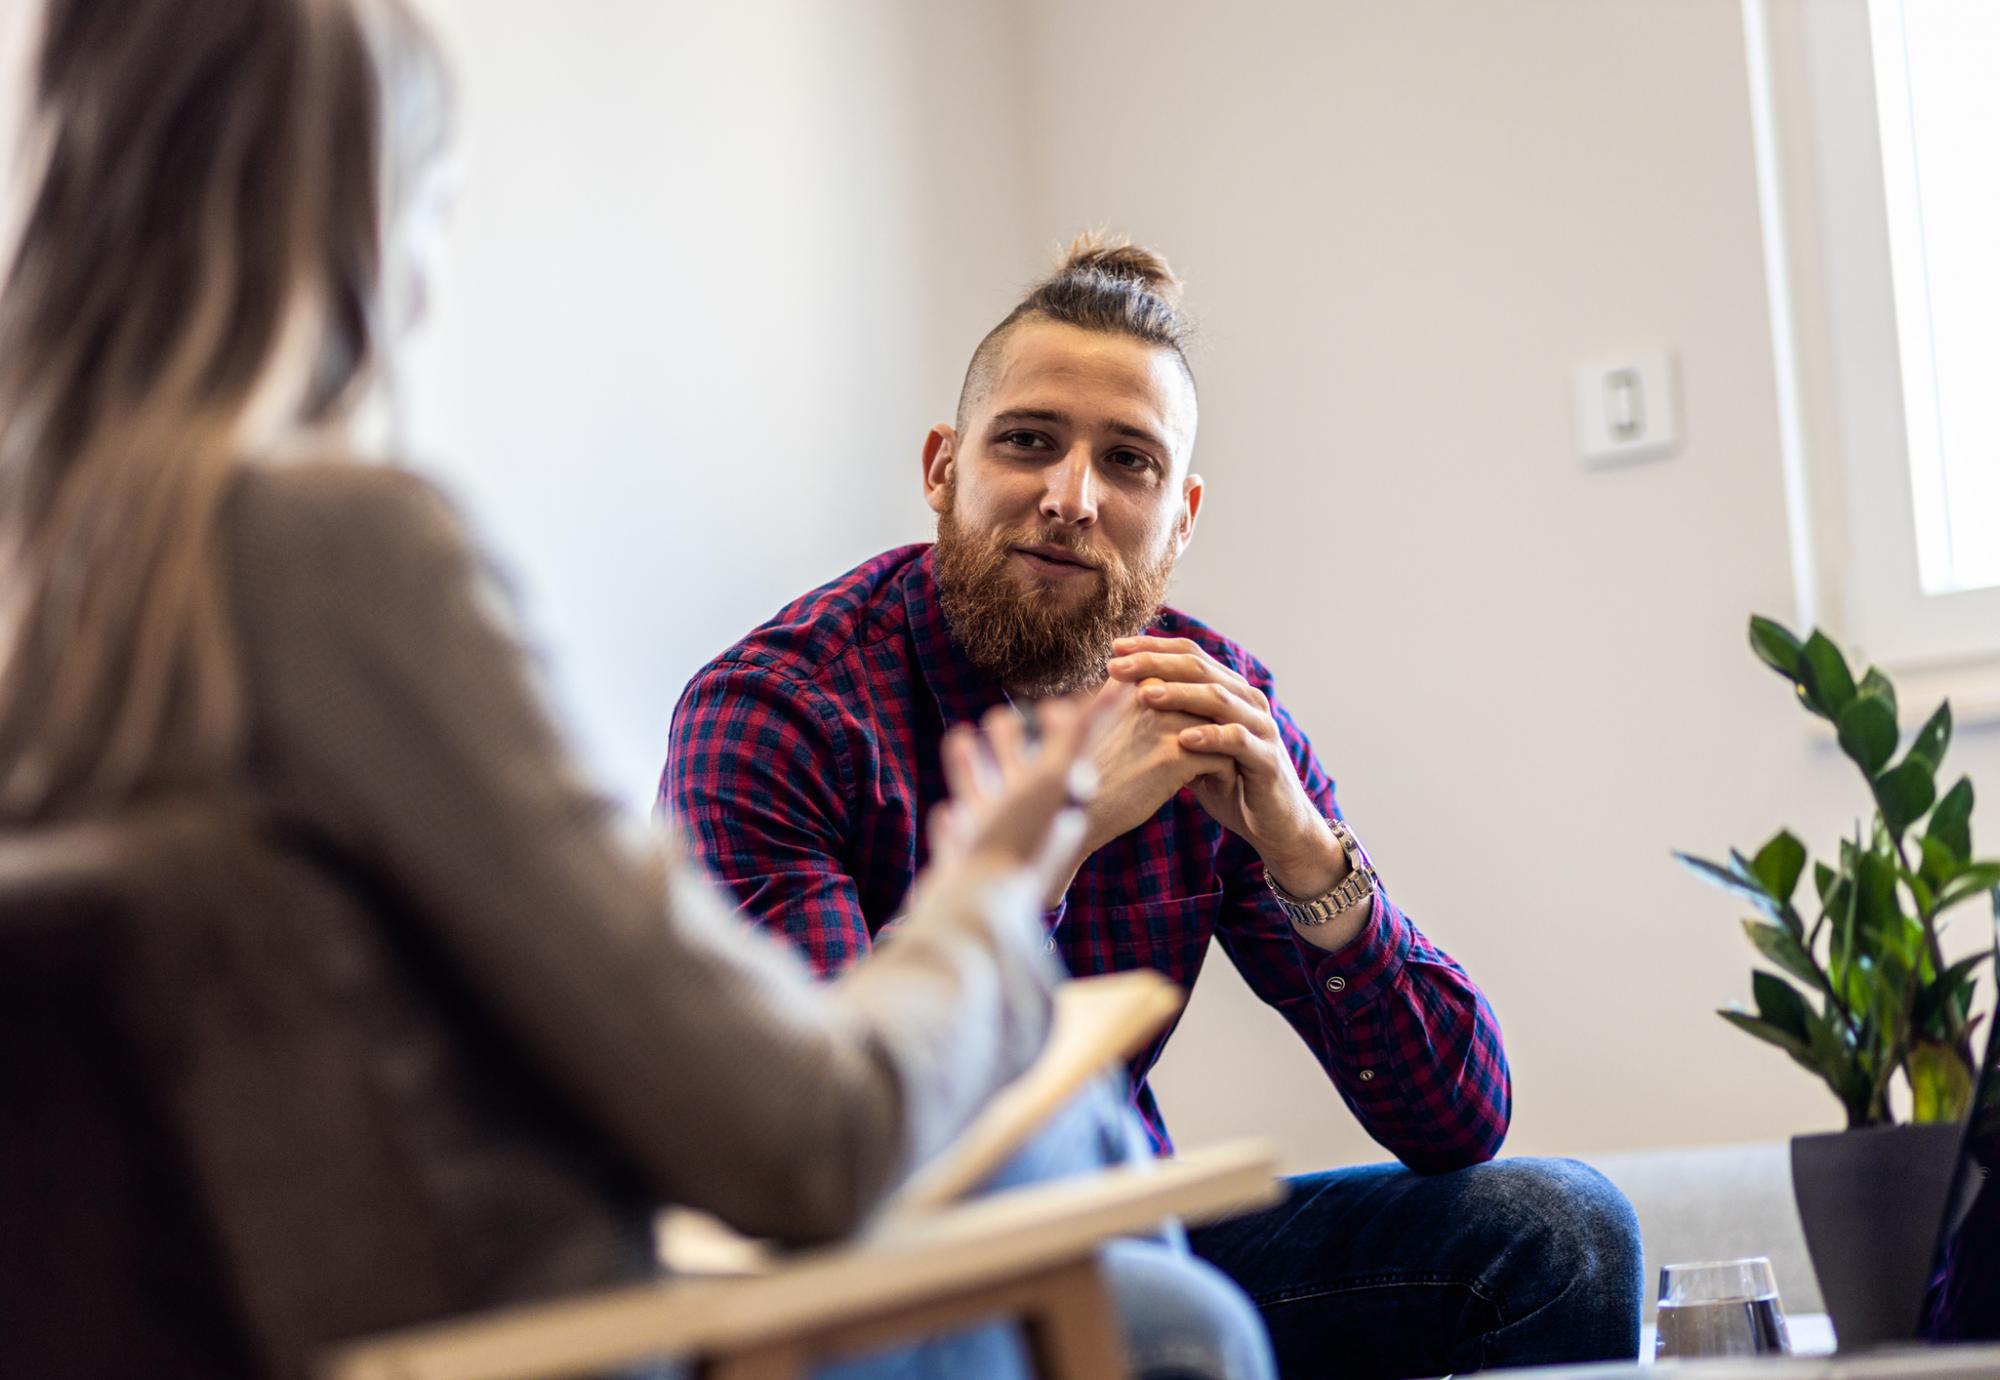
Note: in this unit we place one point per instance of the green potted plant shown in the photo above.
(1861, 994)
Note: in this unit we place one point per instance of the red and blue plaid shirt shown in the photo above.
(804, 760)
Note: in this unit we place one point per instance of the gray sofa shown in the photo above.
(1718, 1203)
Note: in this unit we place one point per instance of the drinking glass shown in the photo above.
(1721, 1308)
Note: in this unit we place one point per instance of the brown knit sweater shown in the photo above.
(396, 718)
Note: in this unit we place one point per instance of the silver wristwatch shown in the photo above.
(1356, 886)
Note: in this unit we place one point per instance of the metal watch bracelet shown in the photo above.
(1351, 890)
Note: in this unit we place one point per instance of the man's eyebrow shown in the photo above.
(1137, 433)
(1057, 417)
(1031, 414)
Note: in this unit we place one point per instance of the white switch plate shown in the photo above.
(1626, 408)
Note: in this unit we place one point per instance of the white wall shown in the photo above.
(708, 287)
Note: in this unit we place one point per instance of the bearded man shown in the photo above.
(804, 760)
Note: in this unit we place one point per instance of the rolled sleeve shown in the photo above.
(1348, 979)
(1404, 1034)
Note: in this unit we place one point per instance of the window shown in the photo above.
(1938, 109)
(1879, 157)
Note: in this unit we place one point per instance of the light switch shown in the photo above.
(1625, 408)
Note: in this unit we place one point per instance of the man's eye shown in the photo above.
(1131, 460)
(1027, 440)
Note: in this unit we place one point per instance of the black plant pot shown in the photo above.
(1871, 1203)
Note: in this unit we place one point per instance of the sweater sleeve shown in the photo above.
(395, 713)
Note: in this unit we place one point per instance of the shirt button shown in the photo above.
(1368, 1075)
(1336, 984)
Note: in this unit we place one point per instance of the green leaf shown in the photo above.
(1920, 891)
(1831, 1043)
(1783, 949)
(1970, 881)
(1770, 1034)
(1951, 822)
(1940, 1082)
(1939, 864)
(1828, 684)
(1840, 909)
(1868, 733)
(1859, 989)
(1940, 1004)
(1904, 792)
(1775, 646)
(1833, 1056)
(1884, 993)
(1745, 886)
(1779, 1004)
(1778, 865)
(1934, 737)
(1906, 940)
(1777, 907)
(1877, 907)
(1963, 974)
(1823, 879)
(1877, 685)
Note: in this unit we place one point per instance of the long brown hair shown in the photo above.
(211, 177)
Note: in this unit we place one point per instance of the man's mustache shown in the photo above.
(1068, 541)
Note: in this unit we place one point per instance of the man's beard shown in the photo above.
(1017, 628)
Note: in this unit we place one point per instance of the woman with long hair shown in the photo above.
(205, 597)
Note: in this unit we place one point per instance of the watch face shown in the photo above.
(1357, 856)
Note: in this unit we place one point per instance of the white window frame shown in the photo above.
(1842, 352)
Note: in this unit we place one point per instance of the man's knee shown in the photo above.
(1573, 1217)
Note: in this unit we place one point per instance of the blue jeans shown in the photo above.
(1180, 1318)
(1380, 1272)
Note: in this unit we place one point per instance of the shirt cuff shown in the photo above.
(1354, 976)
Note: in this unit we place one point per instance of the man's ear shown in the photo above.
(940, 450)
(1191, 491)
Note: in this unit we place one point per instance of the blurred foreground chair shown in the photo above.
(209, 1168)
(1027, 1255)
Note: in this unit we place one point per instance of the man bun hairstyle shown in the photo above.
(1106, 282)
(1103, 282)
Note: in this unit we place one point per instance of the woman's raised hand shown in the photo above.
(1018, 786)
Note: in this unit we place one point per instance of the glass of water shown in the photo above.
(1721, 1308)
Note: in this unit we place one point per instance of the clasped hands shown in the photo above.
(1168, 716)
(1174, 716)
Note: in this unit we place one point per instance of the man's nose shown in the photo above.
(1070, 492)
